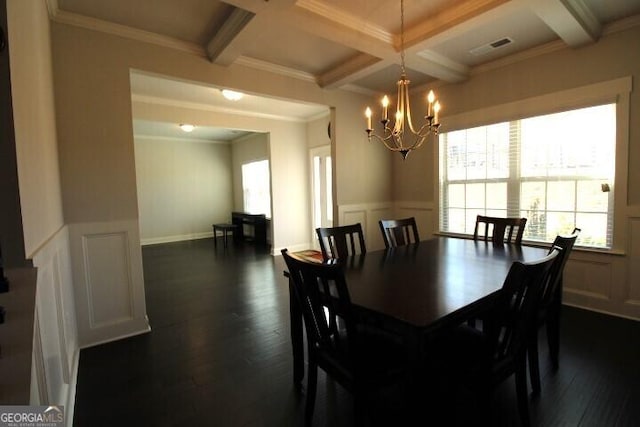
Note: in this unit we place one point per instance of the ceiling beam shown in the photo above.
(248, 19)
(236, 22)
(571, 20)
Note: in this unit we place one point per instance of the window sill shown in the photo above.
(583, 249)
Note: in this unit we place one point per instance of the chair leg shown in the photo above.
(521, 391)
(553, 337)
(534, 365)
(312, 382)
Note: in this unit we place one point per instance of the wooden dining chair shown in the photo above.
(484, 359)
(549, 309)
(399, 232)
(341, 241)
(499, 230)
(360, 362)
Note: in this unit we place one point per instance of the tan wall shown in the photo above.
(95, 132)
(183, 186)
(34, 121)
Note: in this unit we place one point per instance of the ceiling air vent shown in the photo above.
(489, 47)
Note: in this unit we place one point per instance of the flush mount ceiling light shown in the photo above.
(232, 95)
(187, 128)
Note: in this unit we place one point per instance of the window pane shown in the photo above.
(456, 155)
(475, 196)
(497, 196)
(559, 223)
(456, 195)
(471, 220)
(456, 220)
(594, 228)
(476, 153)
(561, 196)
(591, 198)
(498, 151)
(533, 196)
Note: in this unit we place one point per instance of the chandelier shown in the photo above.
(403, 137)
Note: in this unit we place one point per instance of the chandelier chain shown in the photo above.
(402, 36)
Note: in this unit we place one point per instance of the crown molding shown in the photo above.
(622, 25)
(81, 21)
(276, 69)
(155, 100)
(147, 137)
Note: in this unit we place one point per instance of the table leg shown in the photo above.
(215, 237)
(297, 341)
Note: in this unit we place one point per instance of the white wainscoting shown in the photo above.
(608, 283)
(425, 214)
(55, 349)
(108, 281)
(368, 214)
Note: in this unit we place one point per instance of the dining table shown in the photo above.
(420, 290)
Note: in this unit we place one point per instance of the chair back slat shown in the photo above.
(342, 241)
(499, 230)
(515, 312)
(399, 232)
(322, 293)
(550, 290)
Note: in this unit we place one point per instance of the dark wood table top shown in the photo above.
(434, 283)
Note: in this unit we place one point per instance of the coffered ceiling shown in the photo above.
(349, 44)
(353, 44)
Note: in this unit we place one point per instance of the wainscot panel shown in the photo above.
(108, 281)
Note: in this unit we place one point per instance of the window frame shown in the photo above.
(612, 91)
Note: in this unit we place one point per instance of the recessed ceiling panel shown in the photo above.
(522, 26)
(385, 80)
(193, 21)
(294, 48)
(386, 14)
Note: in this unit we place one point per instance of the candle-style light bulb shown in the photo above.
(430, 98)
(367, 113)
(436, 109)
(385, 104)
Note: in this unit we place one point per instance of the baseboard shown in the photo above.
(176, 238)
(606, 312)
(291, 248)
(69, 408)
(145, 330)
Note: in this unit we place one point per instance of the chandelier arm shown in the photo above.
(385, 141)
(393, 137)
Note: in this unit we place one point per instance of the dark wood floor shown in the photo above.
(219, 355)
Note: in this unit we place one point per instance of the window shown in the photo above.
(256, 187)
(556, 170)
